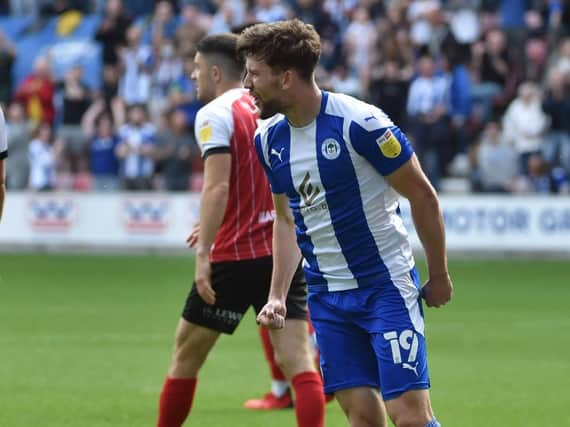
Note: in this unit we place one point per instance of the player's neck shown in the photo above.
(223, 87)
(305, 107)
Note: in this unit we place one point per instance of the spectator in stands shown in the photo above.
(194, 25)
(182, 93)
(344, 80)
(112, 31)
(556, 105)
(389, 90)
(229, 15)
(421, 14)
(496, 164)
(392, 68)
(315, 13)
(77, 98)
(134, 86)
(494, 73)
(525, 124)
(7, 58)
(18, 132)
(537, 178)
(560, 59)
(270, 11)
(167, 67)
(175, 151)
(428, 109)
(36, 93)
(460, 103)
(161, 25)
(98, 126)
(512, 19)
(358, 41)
(136, 150)
(43, 154)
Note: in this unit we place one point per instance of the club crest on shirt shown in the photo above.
(205, 132)
(330, 149)
(389, 145)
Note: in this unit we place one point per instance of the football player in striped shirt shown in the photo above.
(233, 247)
(337, 167)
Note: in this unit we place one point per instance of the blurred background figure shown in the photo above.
(112, 31)
(18, 132)
(176, 150)
(496, 163)
(76, 99)
(43, 154)
(135, 66)
(37, 91)
(428, 112)
(136, 150)
(525, 124)
(99, 128)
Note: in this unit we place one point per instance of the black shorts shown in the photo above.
(239, 285)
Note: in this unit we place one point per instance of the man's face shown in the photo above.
(205, 89)
(264, 86)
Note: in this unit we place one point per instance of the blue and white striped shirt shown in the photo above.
(346, 214)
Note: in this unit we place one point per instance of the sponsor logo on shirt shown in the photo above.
(389, 145)
(51, 213)
(308, 191)
(145, 215)
(266, 216)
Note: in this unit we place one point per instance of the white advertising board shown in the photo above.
(161, 220)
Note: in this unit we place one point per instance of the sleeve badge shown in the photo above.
(389, 145)
(205, 132)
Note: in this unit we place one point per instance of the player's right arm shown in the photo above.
(213, 133)
(213, 201)
(286, 257)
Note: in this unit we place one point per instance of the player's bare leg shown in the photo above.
(280, 395)
(412, 409)
(192, 346)
(363, 407)
(293, 354)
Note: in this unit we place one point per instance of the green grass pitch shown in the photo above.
(85, 342)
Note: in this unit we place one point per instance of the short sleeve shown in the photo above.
(275, 187)
(213, 131)
(3, 137)
(386, 148)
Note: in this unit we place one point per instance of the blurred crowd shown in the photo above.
(482, 89)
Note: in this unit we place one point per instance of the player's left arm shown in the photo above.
(410, 181)
(388, 150)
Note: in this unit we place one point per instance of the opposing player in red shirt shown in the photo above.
(233, 249)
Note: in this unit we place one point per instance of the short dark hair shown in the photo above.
(221, 49)
(284, 44)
